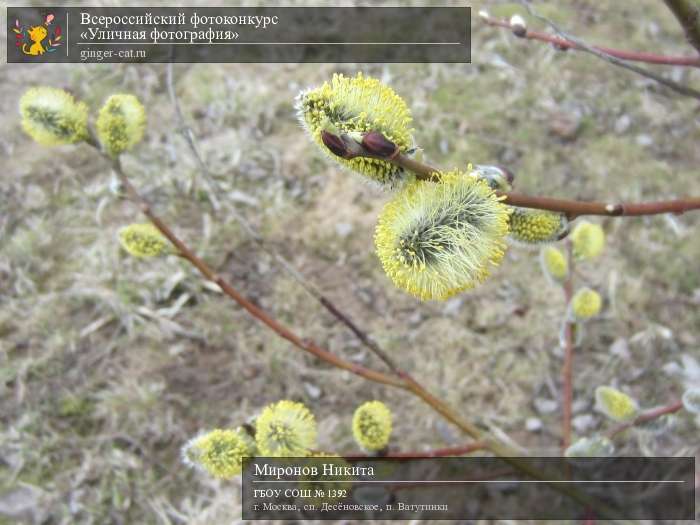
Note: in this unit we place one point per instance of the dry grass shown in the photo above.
(109, 364)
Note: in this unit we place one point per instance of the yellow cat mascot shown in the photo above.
(36, 34)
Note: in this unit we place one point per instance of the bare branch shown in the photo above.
(571, 208)
(564, 44)
(580, 44)
(569, 345)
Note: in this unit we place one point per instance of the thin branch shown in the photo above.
(308, 286)
(347, 147)
(581, 45)
(567, 367)
(688, 14)
(675, 86)
(647, 416)
(254, 310)
(564, 44)
(571, 208)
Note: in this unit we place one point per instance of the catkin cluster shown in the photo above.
(51, 116)
(434, 238)
(282, 429)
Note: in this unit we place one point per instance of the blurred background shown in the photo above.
(108, 364)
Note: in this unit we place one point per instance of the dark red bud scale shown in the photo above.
(377, 144)
(334, 143)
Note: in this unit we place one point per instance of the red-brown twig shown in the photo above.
(571, 208)
(647, 416)
(564, 44)
(346, 147)
(679, 88)
(254, 310)
(567, 367)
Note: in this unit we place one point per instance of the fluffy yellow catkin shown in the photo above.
(585, 304)
(220, 452)
(436, 239)
(120, 123)
(588, 240)
(143, 240)
(532, 226)
(285, 429)
(354, 106)
(615, 404)
(371, 425)
(52, 117)
(554, 263)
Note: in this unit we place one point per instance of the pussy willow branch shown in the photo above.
(564, 44)
(404, 382)
(567, 367)
(688, 14)
(257, 312)
(647, 416)
(308, 286)
(571, 208)
(583, 46)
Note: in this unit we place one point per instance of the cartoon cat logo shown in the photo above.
(37, 35)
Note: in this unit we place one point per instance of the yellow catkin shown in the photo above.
(371, 425)
(52, 117)
(532, 226)
(615, 404)
(143, 240)
(120, 123)
(437, 239)
(285, 429)
(585, 304)
(554, 263)
(220, 452)
(356, 105)
(588, 240)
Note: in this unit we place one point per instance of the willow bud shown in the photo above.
(588, 240)
(334, 143)
(143, 240)
(377, 144)
(554, 264)
(120, 124)
(615, 404)
(371, 425)
(585, 304)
